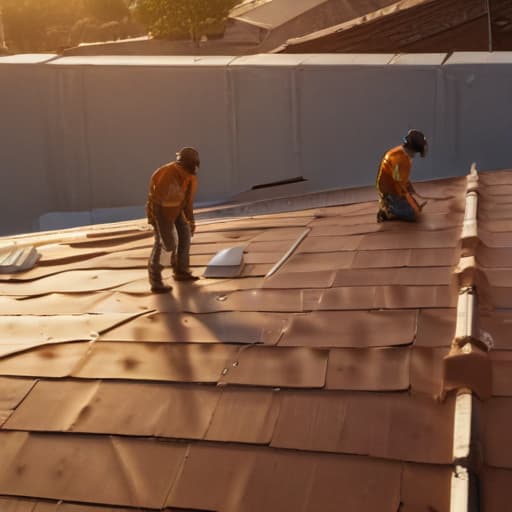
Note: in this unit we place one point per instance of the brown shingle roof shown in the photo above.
(493, 320)
(315, 389)
(415, 26)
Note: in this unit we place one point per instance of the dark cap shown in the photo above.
(189, 158)
(416, 141)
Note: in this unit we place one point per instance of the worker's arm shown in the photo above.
(401, 176)
(413, 193)
(411, 189)
(416, 206)
(188, 210)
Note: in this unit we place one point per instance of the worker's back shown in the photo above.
(394, 172)
(169, 184)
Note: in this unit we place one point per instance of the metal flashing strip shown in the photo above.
(460, 500)
(290, 251)
(290, 203)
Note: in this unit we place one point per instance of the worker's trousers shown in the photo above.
(397, 207)
(164, 237)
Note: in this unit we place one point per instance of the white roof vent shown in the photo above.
(18, 259)
(227, 263)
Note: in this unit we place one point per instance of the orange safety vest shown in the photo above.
(394, 173)
(173, 188)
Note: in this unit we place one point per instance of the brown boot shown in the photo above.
(381, 216)
(185, 276)
(161, 288)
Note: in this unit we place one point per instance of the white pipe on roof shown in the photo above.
(464, 330)
(462, 425)
(465, 314)
(469, 229)
(460, 490)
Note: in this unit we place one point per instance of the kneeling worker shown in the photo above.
(170, 204)
(396, 200)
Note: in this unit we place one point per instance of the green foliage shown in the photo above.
(47, 25)
(181, 18)
(27, 22)
(106, 10)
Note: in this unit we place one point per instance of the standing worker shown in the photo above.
(170, 205)
(396, 199)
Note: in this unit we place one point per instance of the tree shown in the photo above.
(173, 19)
(48, 25)
(27, 22)
(106, 10)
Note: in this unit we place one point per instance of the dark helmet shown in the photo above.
(416, 141)
(188, 158)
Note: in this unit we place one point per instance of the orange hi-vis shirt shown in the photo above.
(173, 188)
(394, 172)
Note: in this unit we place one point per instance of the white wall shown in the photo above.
(83, 133)
(478, 91)
(351, 114)
(24, 194)
(136, 112)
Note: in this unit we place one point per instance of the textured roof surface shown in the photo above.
(275, 12)
(495, 319)
(416, 26)
(269, 24)
(315, 389)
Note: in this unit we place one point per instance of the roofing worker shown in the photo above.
(396, 200)
(170, 205)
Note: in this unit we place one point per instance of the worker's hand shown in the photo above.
(422, 205)
(192, 226)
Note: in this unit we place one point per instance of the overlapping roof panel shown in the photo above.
(318, 388)
(415, 26)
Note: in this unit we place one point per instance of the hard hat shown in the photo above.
(416, 141)
(189, 158)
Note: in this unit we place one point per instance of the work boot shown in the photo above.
(161, 288)
(155, 278)
(184, 276)
(381, 216)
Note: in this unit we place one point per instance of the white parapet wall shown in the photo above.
(85, 133)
